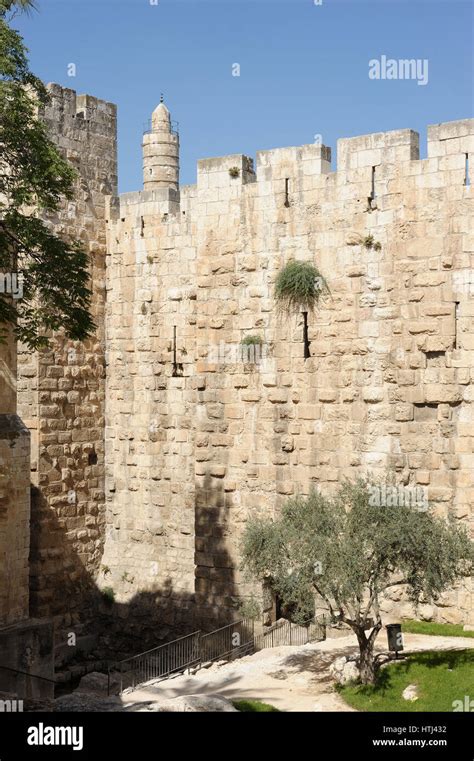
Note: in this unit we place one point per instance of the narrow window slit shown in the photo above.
(287, 191)
(371, 200)
(306, 340)
(178, 369)
(457, 309)
(467, 179)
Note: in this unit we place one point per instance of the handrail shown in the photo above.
(199, 651)
(154, 649)
(28, 673)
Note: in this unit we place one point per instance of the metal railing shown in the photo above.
(148, 127)
(194, 650)
(27, 673)
(228, 642)
(288, 633)
(25, 684)
(163, 661)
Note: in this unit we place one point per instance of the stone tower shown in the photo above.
(161, 152)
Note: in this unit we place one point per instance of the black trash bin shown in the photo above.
(395, 637)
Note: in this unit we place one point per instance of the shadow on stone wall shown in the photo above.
(61, 588)
(100, 626)
(216, 593)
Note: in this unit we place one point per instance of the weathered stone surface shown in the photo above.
(96, 683)
(344, 670)
(193, 439)
(410, 693)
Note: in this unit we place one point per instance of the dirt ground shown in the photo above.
(289, 678)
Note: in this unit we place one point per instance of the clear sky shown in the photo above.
(304, 68)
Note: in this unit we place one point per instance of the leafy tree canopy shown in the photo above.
(51, 273)
(349, 551)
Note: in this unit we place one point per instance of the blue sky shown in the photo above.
(303, 68)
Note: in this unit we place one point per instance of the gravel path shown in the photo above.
(290, 678)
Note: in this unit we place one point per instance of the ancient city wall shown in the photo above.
(14, 494)
(194, 448)
(61, 390)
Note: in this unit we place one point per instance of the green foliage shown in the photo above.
(438, 630)
(369, 243)
(234, 171)
(298, 286)
(35, 179)
(254, 706)
(441, 677)
(250, 609)
(23, 5)
(252, 341)
(108, 595)
(349, 551)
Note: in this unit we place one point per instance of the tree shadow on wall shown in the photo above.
(216, 592)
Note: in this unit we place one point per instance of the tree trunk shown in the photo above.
(366, 657)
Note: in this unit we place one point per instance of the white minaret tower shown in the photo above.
(161, 152)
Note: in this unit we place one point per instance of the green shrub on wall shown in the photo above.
(299, 287)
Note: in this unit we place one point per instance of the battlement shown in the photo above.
(366, 162)
(87, 107)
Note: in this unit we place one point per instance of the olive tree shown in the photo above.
(349, 551)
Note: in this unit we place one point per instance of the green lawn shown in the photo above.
(441, 677)
(256, 706)
(428, 627)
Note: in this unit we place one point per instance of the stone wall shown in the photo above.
(151, 405)
(154, 441)
(14, 493)
(193, 450)
(27, 648)
(61, 390)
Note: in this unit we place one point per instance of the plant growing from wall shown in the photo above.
(234, 172)
(299, 287)
(108, 595)
(250, 347)
(368, 242)
(252, 341)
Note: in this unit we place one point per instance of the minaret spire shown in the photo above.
(161, 151)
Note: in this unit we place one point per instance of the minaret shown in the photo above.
(161, 152)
